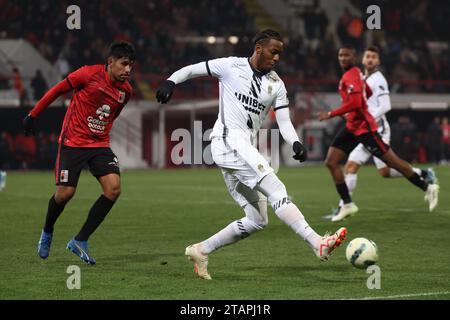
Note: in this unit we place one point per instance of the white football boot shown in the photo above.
(330, 242)
(431, 196)
(346, 210)
(200, 261)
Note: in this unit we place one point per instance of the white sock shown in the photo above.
(350, 181)
(232, 233)
(292, 216)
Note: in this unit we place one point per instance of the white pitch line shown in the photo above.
(441, 293)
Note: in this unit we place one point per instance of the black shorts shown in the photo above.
(372, 141)
(70, 161)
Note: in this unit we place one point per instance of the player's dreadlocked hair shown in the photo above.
(266, 35)
(120, 49)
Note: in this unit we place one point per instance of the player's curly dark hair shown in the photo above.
(120, 49)
(266, 35)
(348, 46)
(372, 49)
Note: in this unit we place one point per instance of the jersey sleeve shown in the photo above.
(220, 67)
(382, 87)
(353, 82)
(78, 78)
(281, 99)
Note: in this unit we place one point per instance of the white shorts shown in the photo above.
(361, 155)
(240, 192)
(239, 158)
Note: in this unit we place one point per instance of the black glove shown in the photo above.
(165, 91)
(300, 152)
(28, 125)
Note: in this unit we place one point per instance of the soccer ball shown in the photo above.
(362, 253)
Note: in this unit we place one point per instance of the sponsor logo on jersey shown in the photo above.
(250, 104)
(64, 176)
(103, 111)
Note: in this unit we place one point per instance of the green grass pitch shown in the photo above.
(140, 246)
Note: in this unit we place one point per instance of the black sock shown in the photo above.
(418, 181)
(53, 212)
(423, 173)
(342, 189)
(96, 215)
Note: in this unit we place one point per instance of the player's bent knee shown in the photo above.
(272, 188)
(351, 167)
(331, 163)
(64, 194)
(257, 213)
(112, 193)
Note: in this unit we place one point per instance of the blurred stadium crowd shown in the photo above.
(414, 45)
(413, 39)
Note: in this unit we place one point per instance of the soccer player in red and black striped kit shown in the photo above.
(100, 94)
(361, 127)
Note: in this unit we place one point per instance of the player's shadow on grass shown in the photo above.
(318, 272)
(160, 258)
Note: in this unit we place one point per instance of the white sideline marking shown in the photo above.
(441, 293)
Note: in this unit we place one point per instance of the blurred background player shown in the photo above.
(379, 104)
(100, 93)
(248, 89)
(361, 128)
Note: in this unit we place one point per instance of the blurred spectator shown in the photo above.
(433, 140)
(6, 151)
(18, 85)
(404, 138)
(39, 85)
(47, 148)
(25, 150)
(445, 140)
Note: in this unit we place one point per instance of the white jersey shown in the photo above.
(245, 96)
(377, 82)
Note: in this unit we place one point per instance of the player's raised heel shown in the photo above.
(44, 244)
(200, 261)
(81, 249)
(330, 242)
(346, 210)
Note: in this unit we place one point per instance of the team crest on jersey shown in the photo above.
(64, 176)
(121, 96)
(261, 168)
(103, 111)
(350, 89)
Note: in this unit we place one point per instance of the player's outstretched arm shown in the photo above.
(165, 90)
(289, 134)
(354, 102)
(62, 87)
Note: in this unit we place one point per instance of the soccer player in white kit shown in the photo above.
(248, 88)
(379, 104)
